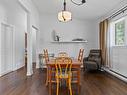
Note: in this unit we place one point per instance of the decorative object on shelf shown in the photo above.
(78, 39)
(54, 35)
(70, 41)
(57, 38)
(64, 15)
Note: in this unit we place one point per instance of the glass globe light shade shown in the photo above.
(64, 16)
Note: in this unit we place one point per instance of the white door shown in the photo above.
(6, 48)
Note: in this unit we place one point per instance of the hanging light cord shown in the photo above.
(64, 5)
(64, 10)
(83, 1)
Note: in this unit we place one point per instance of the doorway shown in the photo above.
(34, 47)
(25, 49)
(25, 6)
(7, 52)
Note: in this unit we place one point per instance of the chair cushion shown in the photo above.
(91, 65)
(91, 59)
(90, 62)
(93, 56)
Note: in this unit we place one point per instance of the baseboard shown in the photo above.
(19, 65)
(4, 73)
(115, 74)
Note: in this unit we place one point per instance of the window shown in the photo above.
(117, 32)
(120, 32)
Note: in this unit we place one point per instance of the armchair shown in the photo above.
(93, 61)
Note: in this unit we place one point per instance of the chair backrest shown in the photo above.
(46, 55)
(94, 53)
(62, 54)
(80, 56)
(63, 65)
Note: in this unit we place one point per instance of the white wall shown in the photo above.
(67, 31)
(28, 4)
(12, 13)
(3, 16)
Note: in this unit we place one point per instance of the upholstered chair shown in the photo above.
(93, 61)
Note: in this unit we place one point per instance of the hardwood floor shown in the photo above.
(92, 83)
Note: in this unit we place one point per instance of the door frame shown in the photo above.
(37, 45)
(24, 6)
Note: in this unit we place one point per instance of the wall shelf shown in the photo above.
(69, 41)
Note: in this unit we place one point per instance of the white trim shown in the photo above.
(28, 7)
(37, 46)
(13, 47)
(0, 50)
(24, 5)
(4, 73)
(29, 46)
(113, 32)
(114, 74)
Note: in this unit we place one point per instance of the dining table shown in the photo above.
(76, 65)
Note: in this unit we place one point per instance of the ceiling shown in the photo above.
(92, 9)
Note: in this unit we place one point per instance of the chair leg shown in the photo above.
(66, 83)
(57, 89)
(78, 85)
(50, 82)
(70, 86)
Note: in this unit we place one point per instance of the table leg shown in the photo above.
(47, 79)
(79, 72)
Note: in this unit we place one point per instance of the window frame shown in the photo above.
(113, 31)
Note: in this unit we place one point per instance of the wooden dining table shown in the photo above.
(75, 65)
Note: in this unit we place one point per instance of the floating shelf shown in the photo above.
(69, 41)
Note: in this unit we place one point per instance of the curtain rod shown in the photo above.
(118, 12)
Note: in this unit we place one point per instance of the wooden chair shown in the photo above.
(63, 71)
(46, 57)
(80, 56)
(62, 54)
(75, 73)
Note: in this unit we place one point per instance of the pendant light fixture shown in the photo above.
(64, 15)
